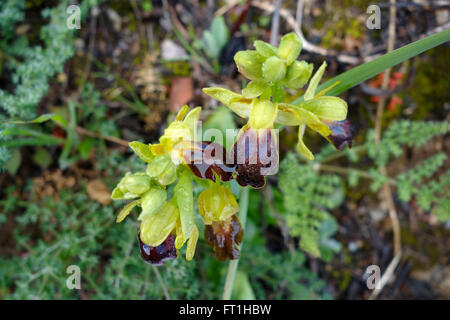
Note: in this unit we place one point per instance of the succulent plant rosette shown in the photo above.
(167, 215)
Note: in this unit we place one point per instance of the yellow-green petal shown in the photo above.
(301, 147)
(180, 238)
(181, 113)
(262, 114)
(185, 200)
(302, 116)
(241, 107)
(223, 95)
(142, 150)
(312, 87)
(127, 209)
(217, 204)
(192, 244)
(117, 194)
(152, 202)
(191, 120)
(326, 108)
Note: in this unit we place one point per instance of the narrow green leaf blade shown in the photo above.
(370, 69)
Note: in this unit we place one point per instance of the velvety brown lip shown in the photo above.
(246, 156)
(341, 133)
(225, 237)
(250, 173)
(210, 163)
(157, 255)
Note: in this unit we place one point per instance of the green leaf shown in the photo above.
(14, 162)
(370, 69)
(216, 37)
(86, 146)
(220, 31)
(42, 157)
(42, 118)
(309, 242)
(242, 289)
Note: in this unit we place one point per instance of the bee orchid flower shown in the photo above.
(223, 231)
(323, 114)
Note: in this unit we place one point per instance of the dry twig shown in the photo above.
(387, 194)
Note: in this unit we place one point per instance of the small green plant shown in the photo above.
(307, 197)
(31, 67)
(75, 230)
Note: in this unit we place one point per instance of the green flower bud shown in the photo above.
(254, 88)
(152, 201)
(274, 69)
(290, 47)
(298, 74)
(133, 185)
(249, 63)
(162, 169)
(158, 165)
(265, 49)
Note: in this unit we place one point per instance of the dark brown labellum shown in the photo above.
(207, 159)
(341, 133)
(225, 237)
(157, 255)
(253, 156)
(256, 155)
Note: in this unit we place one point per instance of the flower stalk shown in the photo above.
(233, 264)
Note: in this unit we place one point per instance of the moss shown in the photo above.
(430, 89)
(427, 246)
(347, 23)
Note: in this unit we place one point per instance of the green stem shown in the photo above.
(341, 153)
(232, 267)
(362, 173)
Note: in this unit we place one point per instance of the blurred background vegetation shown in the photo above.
(310, 233)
